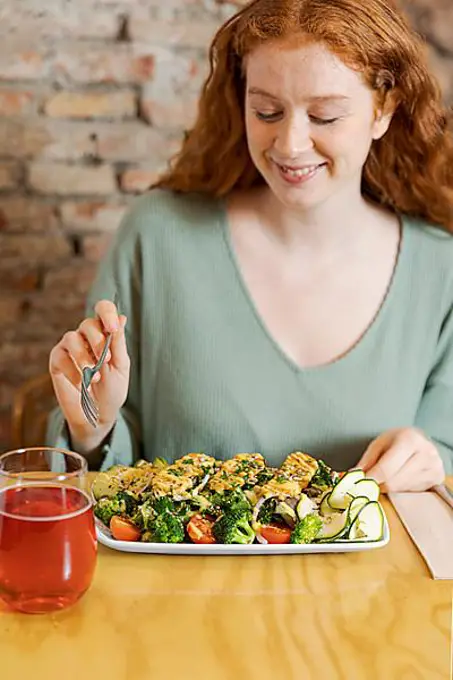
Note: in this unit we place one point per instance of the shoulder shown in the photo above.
(165, 211)
(431, 243)
(430, 250)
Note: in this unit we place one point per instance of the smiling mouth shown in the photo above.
(299, 172)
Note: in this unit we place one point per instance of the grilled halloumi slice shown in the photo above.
(121, 478)
(196, 464)
(222, 481)
(246, 465)
(173, 482)
(280, 486)
(242, 469)
(180, 479)
(300, 467)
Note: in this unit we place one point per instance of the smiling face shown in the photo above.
(310, 122)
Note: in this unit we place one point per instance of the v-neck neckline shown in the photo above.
(361, 345)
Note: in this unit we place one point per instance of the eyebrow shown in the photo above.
(325, 97)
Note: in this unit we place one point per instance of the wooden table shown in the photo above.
(356, 616)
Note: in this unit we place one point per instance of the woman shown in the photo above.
(288, 284)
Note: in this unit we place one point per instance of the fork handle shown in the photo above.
(103, 355)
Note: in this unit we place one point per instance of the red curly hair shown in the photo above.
(410, 169)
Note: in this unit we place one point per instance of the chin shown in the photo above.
(305, 196)
(295, 197)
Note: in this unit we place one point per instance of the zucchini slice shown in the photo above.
(355, 507)
(325, 509)
(366, 487)
(333, 526)
(305, 506)
(368, 524)
(341, 496)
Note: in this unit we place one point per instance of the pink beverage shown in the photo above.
(47, 546)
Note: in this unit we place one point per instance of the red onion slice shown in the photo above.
(255, 524)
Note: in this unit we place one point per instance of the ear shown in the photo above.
(381, 123)
(384, 111)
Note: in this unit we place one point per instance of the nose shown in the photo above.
(293, 137)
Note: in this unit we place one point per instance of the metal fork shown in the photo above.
(89, 406)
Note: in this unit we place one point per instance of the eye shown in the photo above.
(323, 121)
(269, 117)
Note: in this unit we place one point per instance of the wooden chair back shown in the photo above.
(32, 403)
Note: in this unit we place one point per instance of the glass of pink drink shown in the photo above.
(47, 535)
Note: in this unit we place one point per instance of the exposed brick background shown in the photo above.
(94, 98)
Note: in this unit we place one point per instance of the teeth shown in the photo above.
(302, 172)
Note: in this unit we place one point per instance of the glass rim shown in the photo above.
(65, 452)
(48, 518)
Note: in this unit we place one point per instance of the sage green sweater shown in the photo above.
(207, 376)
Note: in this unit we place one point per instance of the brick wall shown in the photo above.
(94, 97)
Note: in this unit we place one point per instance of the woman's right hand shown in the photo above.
(109, 387)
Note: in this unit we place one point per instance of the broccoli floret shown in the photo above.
(121, 504)
(323, 476)
(232, 500)
(181, 509)
(166, 528)
(307, 529)
(162, 520)
(163, 504)
(159, 517)
(233, 527)
(105, 509)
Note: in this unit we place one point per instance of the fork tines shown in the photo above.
(89, 407)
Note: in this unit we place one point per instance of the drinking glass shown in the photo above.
(47, 535)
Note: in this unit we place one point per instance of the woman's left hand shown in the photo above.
(403, 460)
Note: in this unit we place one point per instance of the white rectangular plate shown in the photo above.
(106, 539)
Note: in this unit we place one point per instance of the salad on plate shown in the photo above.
(199, 499)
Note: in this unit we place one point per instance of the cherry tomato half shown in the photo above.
(123, 529)
(200, 529)
(276, 533)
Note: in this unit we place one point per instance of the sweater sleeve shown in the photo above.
(435, 413)
(119, 448)
(120, 273)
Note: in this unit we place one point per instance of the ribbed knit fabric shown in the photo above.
(207, 376)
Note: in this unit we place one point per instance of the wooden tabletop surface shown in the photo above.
(356, 616)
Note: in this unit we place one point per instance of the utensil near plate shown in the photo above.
(88, 404)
